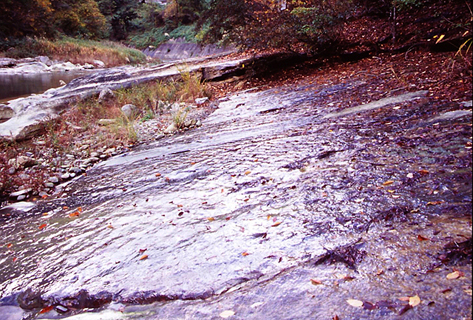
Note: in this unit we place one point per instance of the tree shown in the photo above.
(21, 18)
(79, 18)
(294, 25)
(120, 15)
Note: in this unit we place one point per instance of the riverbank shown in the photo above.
(76, 51)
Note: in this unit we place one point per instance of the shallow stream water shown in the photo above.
(14, 86)
(281, 206)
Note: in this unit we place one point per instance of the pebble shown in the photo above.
(49, 185)
(65, 176)
(53, 179)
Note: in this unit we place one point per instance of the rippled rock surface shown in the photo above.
(281, 206)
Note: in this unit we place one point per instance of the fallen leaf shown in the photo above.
(247, 172)
(46, 309)
(44, 196)
(387, 183)
(276, 224)
(335, 317)
(355, 303)
(9, 245)
(440, 38)
(14, 259)
(422, 238)
(110, 226)
(45, 214)
(142, 250)
(454, 275)
(227, 314)
(414, 301)
(432, 203)
(404, 298)
(245, 254)
(369, 306)
(79, 209)
(179, 205)
(446, 290)
(65, 207)
(379, 272)
(143, 257)
(211, 219)
(42, 226)
(315, 282)
(405, 309)
(74, 214)
(423, 172)
(158, 174)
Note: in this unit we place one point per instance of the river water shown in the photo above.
(281, 206)
(14, 86)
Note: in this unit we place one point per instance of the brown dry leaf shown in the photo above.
(179, 205)
(432, 203)
(158, 174)
(247, 172)
(9, 245)
(387, 183)
(110, 226)
(355, 303)
(454, 275)
(423, 172)
(245, 254)
(315, 282)
(276, 224)
(211, 219)
(143, 257)
(335, 317)
(42, 226)
(46, 309)
(379, 272)
(414, 301)
(227, 314)
(74, 214)
(422, 238)
(142, 250)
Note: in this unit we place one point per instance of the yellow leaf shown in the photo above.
(414, 301)
(276, 224)
(227, 314)
(387, 183)
(454, 275)
(440, 38)
(355, 303)
(247, 172)
(245, 254)
(143, 257)
(211, 219)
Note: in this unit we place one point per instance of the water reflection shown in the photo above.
(17, 85)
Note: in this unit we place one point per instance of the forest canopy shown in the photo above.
(295, 25)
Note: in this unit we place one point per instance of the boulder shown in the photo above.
(130, 111)
(6, 112)
(106, 95)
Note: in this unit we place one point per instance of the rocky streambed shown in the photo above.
(291, 202)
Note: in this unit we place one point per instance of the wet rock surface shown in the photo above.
(283, 204)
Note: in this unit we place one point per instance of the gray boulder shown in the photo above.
(130, 111)
(6, 112)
